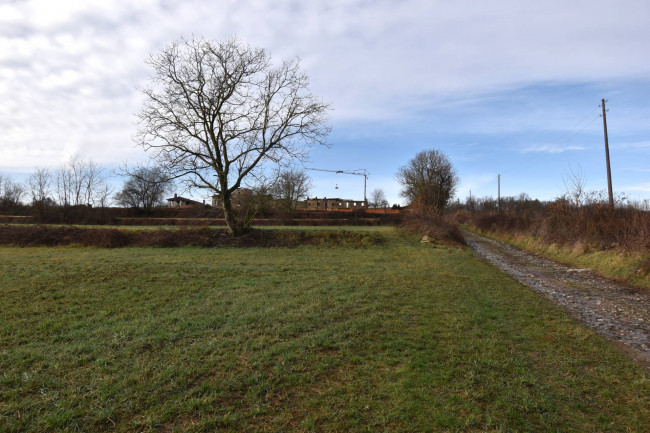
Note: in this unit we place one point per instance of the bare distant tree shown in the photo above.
(102, 195)
(218, 111)
(428, 180)
(145, 188)
(10, 193)
(262, 192)
(251, 200)
(39, 185)
(80, 182)
(575, 183)
(291, 186)
(470, 203)
(378, 199)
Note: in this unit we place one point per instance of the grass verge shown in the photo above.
(399, 336)
(630, 266)
(47, 235)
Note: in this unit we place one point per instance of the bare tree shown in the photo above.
(39, 184)
(378, 199)
(218, 111)
(471, 202)
(262, 194)
(145, 188)
(428, 180)
(290, 187)
(80, 182)
(10, 193)
(249, 201)
(575, 183)
(102, 194)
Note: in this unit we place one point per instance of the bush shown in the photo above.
(434, 226)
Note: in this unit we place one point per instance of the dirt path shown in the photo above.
(619, 312)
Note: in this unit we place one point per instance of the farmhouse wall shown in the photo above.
(333, 204)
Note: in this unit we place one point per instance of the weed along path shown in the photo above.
(618, 312)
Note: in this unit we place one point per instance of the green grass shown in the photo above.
(400, 336)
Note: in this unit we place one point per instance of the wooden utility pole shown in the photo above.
(499, 193)
(609, 171)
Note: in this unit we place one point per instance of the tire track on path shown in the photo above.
(618, 312)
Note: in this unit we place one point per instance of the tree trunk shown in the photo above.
(236, 226)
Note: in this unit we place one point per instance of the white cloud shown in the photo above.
(551, 148)
(478, 183)
(644, 187)
(631, 145)
(69, 70)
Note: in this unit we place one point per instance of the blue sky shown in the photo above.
(501, 87)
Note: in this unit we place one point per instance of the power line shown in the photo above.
(563, 141)
(559, 149)
(357, 172)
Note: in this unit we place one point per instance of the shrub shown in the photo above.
(435, 227)
(593, 225)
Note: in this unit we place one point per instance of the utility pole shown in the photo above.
(609, 171)
(499, 193)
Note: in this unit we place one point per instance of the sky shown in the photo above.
(501, 87)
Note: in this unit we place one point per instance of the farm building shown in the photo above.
(333, 204)
(177, 201)
(241, 197)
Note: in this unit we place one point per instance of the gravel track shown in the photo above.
(618, 312)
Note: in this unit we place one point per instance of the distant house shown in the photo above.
(240, 197)
(333, 204)
(177, 201)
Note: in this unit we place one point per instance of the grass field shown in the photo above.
(400, 336)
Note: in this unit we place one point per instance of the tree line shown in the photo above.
(81, 182)
(76, 182)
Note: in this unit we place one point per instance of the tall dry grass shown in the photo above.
(437, 227)
(594, 225)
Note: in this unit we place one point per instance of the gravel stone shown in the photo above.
(617, 311)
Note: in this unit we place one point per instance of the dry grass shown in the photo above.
(435, 227)
(590, 227)
(43, 235)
